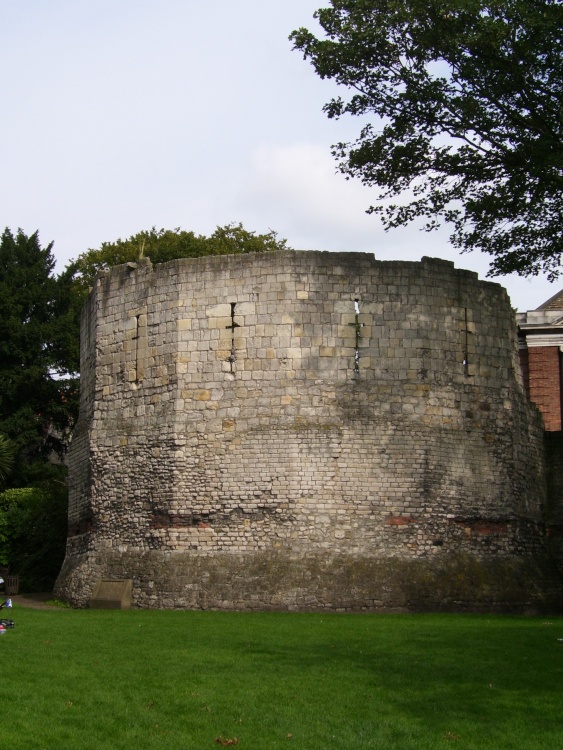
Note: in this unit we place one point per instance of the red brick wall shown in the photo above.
(525, 369)
(545, 383)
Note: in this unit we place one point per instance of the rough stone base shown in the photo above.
(272, 581)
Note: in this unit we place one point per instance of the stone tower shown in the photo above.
(306, 430)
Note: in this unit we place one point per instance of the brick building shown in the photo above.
(540, 340)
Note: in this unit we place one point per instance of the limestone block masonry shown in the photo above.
(306, 430)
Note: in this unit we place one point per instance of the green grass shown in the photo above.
(91, 680)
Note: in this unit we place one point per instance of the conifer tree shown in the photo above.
(35, 406)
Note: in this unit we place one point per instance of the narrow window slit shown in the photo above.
(232, 329)
(358, 327)
(136, 340)
(466, 344)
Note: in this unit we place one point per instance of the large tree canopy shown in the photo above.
(37, 406)
(162, 245)
(464, 99)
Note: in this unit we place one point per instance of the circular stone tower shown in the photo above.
(305, 430)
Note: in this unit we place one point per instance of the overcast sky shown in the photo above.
(120, 115)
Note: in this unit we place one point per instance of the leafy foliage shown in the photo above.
(162, 245)
(7, 450)
(33, 528)
(466, 96)
(37, 409)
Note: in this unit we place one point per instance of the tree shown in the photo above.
(162, 245)
(466, 96)
(37, 408)
(33, 530)
(6, 457)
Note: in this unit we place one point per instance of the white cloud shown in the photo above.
(120, 116)
(297, 187)
(298, 184)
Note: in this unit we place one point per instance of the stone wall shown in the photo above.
(305, 430)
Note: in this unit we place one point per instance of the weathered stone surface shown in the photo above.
(306, 430)
(113, 594)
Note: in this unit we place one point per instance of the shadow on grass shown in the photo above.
(316, 680)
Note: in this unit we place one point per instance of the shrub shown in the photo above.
(7, 453)
(33, 526)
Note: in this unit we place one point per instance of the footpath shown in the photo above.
(34, 601)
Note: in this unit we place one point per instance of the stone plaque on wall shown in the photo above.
(112, 594)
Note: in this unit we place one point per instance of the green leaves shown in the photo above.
(33, 526)
(465, 100)
(162, 245)
(37, 410)
(7, 451)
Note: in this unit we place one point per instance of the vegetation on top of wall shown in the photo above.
(162, 245)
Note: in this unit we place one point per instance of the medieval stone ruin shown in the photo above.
(307, 431)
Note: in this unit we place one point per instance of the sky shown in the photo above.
(121, 115)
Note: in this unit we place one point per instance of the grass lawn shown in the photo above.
(95, 680)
